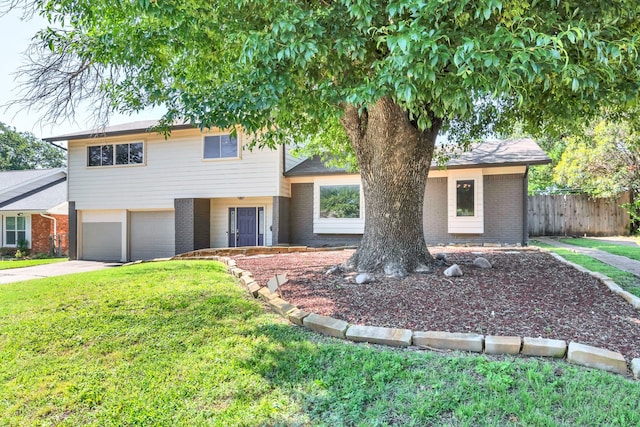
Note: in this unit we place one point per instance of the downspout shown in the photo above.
(525, 207)
(55, 227)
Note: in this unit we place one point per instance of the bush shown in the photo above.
(8, 252)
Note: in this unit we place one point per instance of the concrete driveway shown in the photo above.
(48, 270)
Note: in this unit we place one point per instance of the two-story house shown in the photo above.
(135, 195)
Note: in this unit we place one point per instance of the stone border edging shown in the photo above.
(608, 282)
(580, 354)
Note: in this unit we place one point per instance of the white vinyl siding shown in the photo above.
(220, 218)
(465, 223)
(174, 169)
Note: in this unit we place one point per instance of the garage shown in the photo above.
(151, 235)
(102, 241)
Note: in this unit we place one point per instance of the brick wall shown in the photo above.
(42, 228)
(301, 222)
(503, 211)
(192, 224)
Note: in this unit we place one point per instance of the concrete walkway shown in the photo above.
(49, 270)
(617, 261)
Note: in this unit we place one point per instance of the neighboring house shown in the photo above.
(135, 195)
(33, 209)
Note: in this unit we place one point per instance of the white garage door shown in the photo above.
(152, 235)
(101, 241)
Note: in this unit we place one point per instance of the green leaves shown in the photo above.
(293, 65)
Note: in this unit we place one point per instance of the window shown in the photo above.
(340, 201)
(220, 147)
(115, 154)
(338, 205)
(465, 198)
(465, 201)
(15, 230)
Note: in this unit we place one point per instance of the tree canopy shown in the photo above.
(22, 151)
(291, 66)
(377, 78)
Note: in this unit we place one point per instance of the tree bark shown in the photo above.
(394, 157)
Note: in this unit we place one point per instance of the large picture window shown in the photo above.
(15, 230)
(339, 201)
(115, 154)
(465, 198)
(220, 147)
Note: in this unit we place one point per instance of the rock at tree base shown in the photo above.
(482, 262)
(363, 278)
(453, 271)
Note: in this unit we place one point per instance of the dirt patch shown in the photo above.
(526, 293)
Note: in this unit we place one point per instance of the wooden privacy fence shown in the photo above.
(577, 215)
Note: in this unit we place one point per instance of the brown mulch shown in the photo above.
(526, 293)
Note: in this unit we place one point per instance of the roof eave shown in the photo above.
(73, 137)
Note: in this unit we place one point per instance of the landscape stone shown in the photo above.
(453, 271)
(594, 357)
(364, 278)
(266, 294)
(281, 306)
(379, 335)
(544, 347)
(482, 262)
(245, 280)
(326, 325)
(502, 345)
(254, 288)
(441, 256)
(296, 316)
(449, 340)
(336, 269)
(635, 368)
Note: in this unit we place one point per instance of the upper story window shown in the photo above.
(115, 154)
(220, 147)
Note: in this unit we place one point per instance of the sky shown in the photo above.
(15, 37)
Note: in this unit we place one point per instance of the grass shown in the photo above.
(626, 280)
(632, 252)
(19, 263)
(178, 343)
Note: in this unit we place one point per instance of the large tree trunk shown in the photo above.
(394, 158)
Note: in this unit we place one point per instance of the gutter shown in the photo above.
(525, 207)
(55, 222)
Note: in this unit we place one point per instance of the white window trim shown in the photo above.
(27, 226)
(465, 224)
(222, 159)
(336, 225)
(114, 165)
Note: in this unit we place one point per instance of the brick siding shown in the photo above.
(503, 214)
(301, 222)
(42, 228)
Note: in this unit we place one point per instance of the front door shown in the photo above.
(246, 226)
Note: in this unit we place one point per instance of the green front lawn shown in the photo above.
(179, 343)
(632, 252)
(19, 263)
(626, 280)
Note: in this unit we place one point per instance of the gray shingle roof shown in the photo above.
(508, 152)
(115, 130)
(33, 190)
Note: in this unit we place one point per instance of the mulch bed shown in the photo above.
(526, 293)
